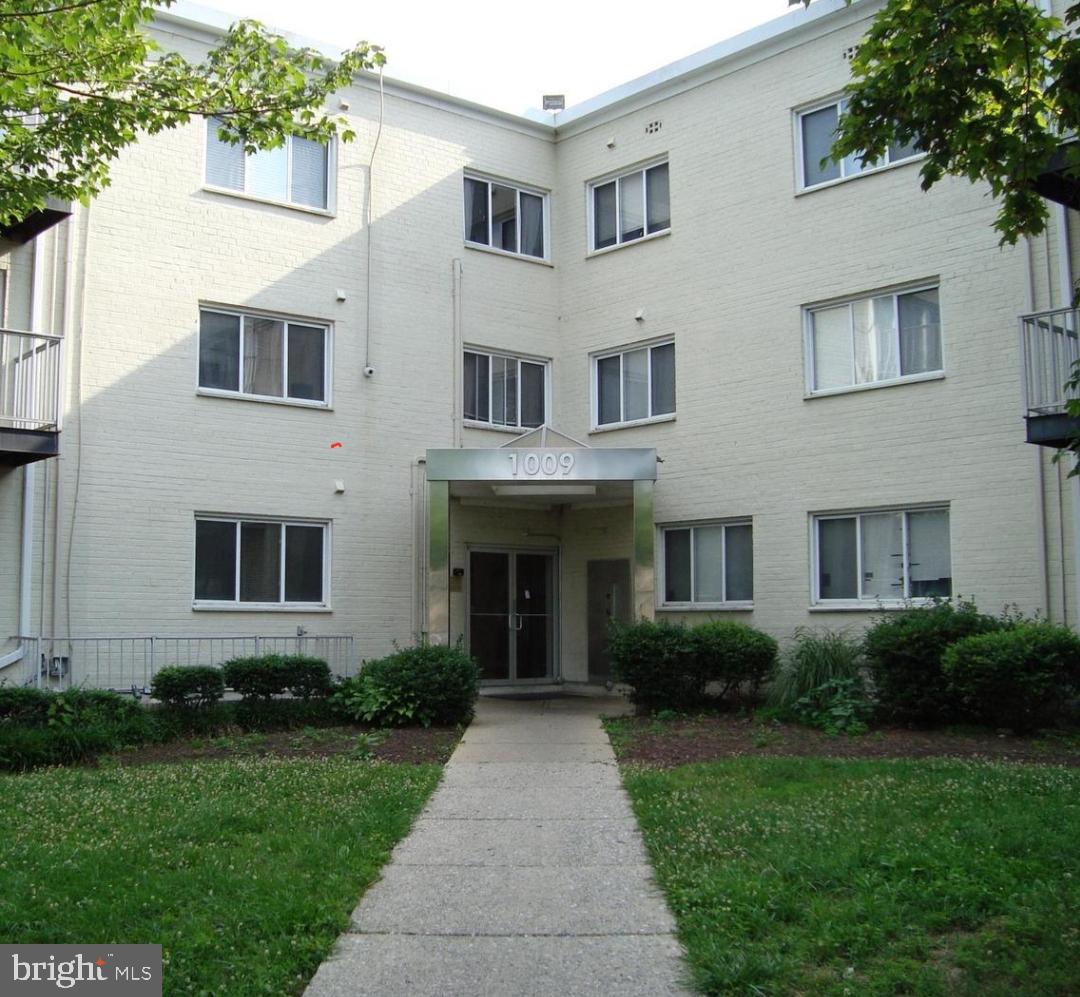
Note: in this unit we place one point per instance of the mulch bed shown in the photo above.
(679, 742)
(403, 744)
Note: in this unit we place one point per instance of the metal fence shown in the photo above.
(126, 663)
(1049, 346)
(30, 371)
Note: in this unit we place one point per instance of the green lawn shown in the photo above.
(244, 870)
(813, 876)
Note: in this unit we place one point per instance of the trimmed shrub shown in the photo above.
(1021, 678)
(428, 684)
(904, 653)
(657, 660)
(261, 677)
(191, 687)
(814, 660)
(24, 704)
(733, 655)
(307, 678)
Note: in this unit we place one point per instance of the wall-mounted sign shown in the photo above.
(543, 464)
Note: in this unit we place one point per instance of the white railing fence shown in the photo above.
(1049, 346)
(30, 377)
(127, 663)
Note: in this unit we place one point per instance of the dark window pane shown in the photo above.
(307, 362)
(511, 392)
(818, 133)
(739, 564)
(215, 560)
(608, 377)
(663, 379)
(263, 345)
(468, 402)
(224, 162)
(604, 216)
(498, 390)
(676, 565)
(489, 584)
(658, 198)
(920, 332)
(837, 559)
(504, 218)
(476, 211)
(532, 394)
(532, 225)
(303, 564)
(219, 351)
(260, 562)
(897, 152)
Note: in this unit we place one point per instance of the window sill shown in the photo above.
(259, 607)
(824, 185)
(239, 396)
(511, 430)
(651, 421)
(624, 245)
(291, 205)
(934, 375)
(705, 607)
(865, 606)
(481, 248)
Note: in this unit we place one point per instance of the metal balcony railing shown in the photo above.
(1049, 346)
(30, 373)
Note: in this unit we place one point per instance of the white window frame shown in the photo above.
(590, 206)
(623, 423)
(520, 358)
(287, 320)
(875, 603)
(895, 293)
(839, 101)
(331, 179)
(235, 605)
(735, 605)
(519, 189)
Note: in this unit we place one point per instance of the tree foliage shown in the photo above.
(986, 87)
(82, 79)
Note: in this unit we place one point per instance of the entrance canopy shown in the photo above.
(541, 465)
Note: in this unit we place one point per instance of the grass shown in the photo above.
(244, 870)
(814, 876)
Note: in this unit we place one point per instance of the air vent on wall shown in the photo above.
(849, 52)
(653, 127)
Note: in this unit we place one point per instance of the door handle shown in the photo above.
(511, 619)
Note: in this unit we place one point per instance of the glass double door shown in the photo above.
(512, 614)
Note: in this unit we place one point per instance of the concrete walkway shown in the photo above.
(525, 874)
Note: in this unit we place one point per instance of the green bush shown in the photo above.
(191, 687)
(657, 660)
(814, 659)
(23, 704)
(1021, 678)
(733, 655)
(837, 706)
(427, 684)
(904, 652)
(270, 675)
(307, 678)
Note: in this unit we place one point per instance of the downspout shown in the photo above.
(66, 325)
(1065, 291)
(457, 411)
(1040, 472)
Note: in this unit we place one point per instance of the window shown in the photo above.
(242, 561)
(263, 357)
(505, 391)
(708, 565)
(510, 219)
(635, 385)
(884, 338)
(295, 173)
(630, 207)
(881, 557)
(817, 132)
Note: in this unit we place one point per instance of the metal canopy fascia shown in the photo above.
(537, 465)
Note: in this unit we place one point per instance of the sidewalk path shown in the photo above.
(525, 874)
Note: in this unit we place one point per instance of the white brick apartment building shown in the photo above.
(291, 387)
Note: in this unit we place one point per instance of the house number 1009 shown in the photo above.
(549, 465)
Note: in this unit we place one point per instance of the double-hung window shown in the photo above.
(504, 390)
(882, 556)
(634, 385)
(872, 340)
(258, 562)
(708, 565)
(817, 132)
(629, 207)
(505, 217)
(296, 173)
(263, 358)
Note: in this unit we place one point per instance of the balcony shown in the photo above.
(1049, 346)
(30, 377)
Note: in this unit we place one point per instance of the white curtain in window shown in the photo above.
(263, 356)
(831, 333)
(636, 385)
(631, 207)
(928, 551)
(882, 556)
(874, 331)
(920, 331)
(709, 564)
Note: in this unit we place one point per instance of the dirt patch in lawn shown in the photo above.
(403, 744)
(666, 743)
